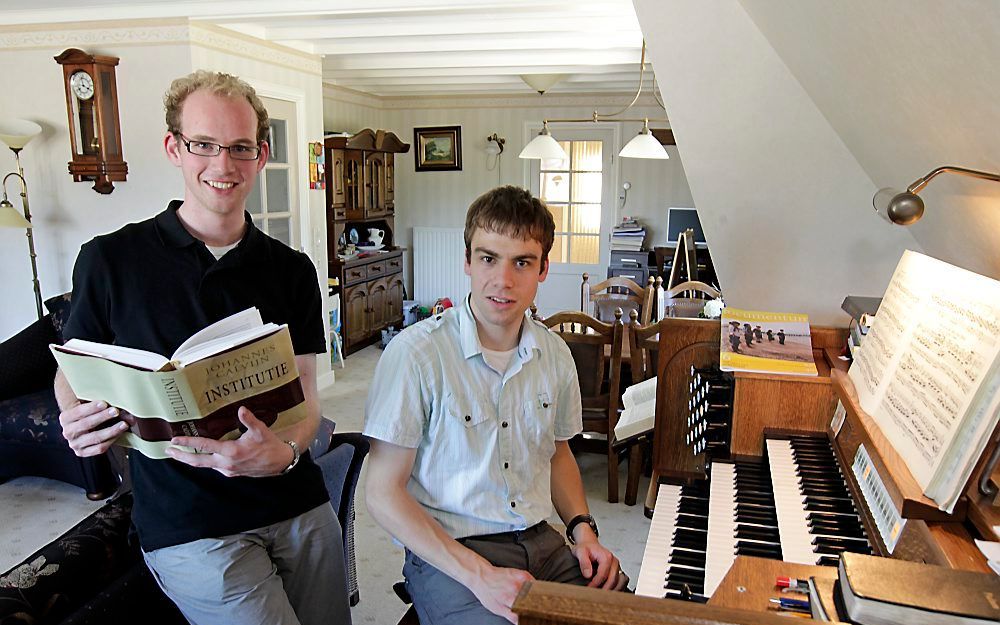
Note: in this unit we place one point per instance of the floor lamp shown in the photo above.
(17, 133)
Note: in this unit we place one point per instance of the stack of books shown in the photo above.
(884, 591)
(628, 236)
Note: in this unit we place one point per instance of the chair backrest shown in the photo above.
(602, 299)
(589, 340)
(687, 299)
(644, 347)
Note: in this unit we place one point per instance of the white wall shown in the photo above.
(66, 214)
(152, 52)
(908, 85)
(441, 199)
(785, 205)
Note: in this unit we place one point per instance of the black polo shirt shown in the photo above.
(151, 285)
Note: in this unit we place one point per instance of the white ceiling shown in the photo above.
(412, 47)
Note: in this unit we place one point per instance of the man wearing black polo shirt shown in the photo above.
(243, 532)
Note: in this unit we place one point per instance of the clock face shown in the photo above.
(82, 85)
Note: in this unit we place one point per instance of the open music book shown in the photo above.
(928, 374)
(639, 412)
(237, 361)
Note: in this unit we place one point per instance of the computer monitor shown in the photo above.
(679, 220)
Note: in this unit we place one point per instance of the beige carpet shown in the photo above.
(35, 511)
(623, 528)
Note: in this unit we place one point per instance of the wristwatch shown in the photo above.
(295, 457)
(578, 519)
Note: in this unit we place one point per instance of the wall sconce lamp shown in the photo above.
(643, 145)
(905, 207)
(17, 134)
(494, 144)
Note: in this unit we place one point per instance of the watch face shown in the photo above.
(82, 85)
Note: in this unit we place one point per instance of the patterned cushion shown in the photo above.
(33, 417)
(59, 307)
(26, 365)
(59, 577)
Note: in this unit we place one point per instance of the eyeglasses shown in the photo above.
(205, 148)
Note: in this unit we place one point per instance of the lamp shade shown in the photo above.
(898, 207)
(644, 145)
(541, 82)
(544, 146)
(10, 218)
(16, 133)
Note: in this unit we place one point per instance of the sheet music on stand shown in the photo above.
(929, 374)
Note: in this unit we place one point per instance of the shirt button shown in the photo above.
(506, 465)
(545, 404)
(504, 424)
(513, 505)
(468, 417)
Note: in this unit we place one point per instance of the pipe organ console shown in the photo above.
(750, 465)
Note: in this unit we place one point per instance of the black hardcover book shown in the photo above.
(885, 591)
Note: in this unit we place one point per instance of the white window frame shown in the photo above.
(610, 134)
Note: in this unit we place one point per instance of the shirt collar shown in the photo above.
(173, 233)
(469, 336)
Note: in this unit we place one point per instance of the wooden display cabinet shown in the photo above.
(361, 195)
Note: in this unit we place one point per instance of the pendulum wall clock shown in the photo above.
(94, 130)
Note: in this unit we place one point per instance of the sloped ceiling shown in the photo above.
(908, 85)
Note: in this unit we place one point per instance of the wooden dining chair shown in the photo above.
(644, 343)
(600, 300)
(600, 391)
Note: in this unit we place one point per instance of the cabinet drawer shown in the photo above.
(393, 265)
(635, 275)
(353, 275)
(638, 260)
(375, 270)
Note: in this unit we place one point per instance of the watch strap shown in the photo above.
(295, 457)
(578, 519)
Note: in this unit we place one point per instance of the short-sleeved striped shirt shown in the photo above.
(484, 440)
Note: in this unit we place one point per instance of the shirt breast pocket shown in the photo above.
(539, 419)
(468, 428)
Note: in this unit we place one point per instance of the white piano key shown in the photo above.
(657, 552)
(720, 551)
(796, 543)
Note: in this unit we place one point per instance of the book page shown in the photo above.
(939, 369)
(237, 322)
(129, 356)
(639, 413)
(889, 331)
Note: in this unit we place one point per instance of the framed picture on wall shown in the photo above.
(438, 148)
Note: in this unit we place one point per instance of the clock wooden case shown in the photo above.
(94, 130)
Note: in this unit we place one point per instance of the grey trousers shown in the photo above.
(440, 600)
(288, 573)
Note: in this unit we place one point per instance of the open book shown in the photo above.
(237, 361)
(639, 410)
(765, 342)
(928, 373)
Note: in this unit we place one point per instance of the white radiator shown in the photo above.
(438, 257)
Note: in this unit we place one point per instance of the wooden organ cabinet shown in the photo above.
(852, 471)
(360, 196)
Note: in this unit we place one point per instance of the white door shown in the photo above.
(273, 204)
(580, 194)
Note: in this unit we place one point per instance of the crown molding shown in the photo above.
(612, 101)
(232, 42)
(125, 32)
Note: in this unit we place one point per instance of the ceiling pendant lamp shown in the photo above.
(544, 146)
(644, 145)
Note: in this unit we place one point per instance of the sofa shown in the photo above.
(31, 440)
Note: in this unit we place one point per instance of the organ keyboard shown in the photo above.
(794, 506)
